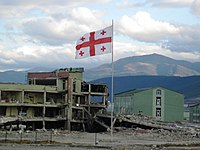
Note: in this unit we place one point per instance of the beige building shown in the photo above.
(58, 99)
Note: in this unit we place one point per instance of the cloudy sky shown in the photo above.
(43, 33)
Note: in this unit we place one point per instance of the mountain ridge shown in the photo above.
(136, 72)
(188, 86)
(153, 64)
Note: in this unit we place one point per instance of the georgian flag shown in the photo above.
(94, 43)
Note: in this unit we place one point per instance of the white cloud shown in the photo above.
(51, 31)
(49, 2)
(7, 61)
(85, 16)
(144, 28)
(155, 3)
(33, 56)
(22, 8)
(129, 4)
(43, 38)
(196, 7)
(46, 30)
(127, 50)
(170, 3)
(43, 33)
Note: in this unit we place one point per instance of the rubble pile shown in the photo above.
(7, 119)
(150, 128)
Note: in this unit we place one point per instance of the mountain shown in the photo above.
(13, 76)
(188, 86)
(20, 76)
(153, 64)
(41, 69)
(142, 72)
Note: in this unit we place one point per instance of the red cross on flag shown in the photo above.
(94, 43)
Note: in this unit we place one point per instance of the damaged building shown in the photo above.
(58, 99)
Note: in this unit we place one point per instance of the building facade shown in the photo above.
(58, 99)
(158, 102)
(194, 113)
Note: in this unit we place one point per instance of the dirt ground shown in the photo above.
(122, 139)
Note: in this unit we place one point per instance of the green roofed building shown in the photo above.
(158, 102)
(195, 113)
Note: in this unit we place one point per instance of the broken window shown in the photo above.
(84, 87)
(3, 111)
(22, 111)
(38, 112)
(74, 86)
(158, 92)
(98, 88)
(64, 85)
(51, 112)
(51, 82)
(158, 101)
(158, 112)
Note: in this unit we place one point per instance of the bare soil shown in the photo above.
(122, 139)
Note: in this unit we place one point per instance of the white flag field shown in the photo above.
(94, 43)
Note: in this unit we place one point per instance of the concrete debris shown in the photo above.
(7, 119)
(147, 126)
(131, 127)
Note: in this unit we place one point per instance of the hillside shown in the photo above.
(137, 72)
(13, 76)
(153, 64)
(189, 86)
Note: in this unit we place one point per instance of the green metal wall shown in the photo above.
(144, 101)
(124, 105)
(133, 103)
(195, 113)
(174, 106)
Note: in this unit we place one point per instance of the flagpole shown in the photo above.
(112, 86)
